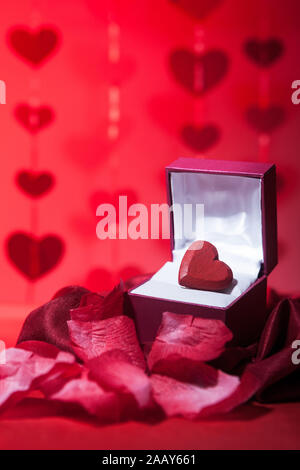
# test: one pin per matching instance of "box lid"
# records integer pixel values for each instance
(239, 202)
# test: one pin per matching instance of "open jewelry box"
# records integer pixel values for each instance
(239, 201)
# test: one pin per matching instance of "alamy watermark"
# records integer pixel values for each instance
(2, 352)
(296, 94)
(136, 222)
(2, 92)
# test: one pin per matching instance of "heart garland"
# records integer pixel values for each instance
(264, 52)
(34, 257)
(200, 138)
(265, 120)
(34, 47)
(35, 184)
(197, 9)
(184, 65)
(33, 118)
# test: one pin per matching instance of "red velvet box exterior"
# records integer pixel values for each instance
(247, 314)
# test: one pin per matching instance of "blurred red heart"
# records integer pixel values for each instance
(263, 52)
(265, 120)
(198, 73)
(197, 9)
(33, 118)
(34, 257)
(100, 279)
(201, 269)
(33, 46)
(200, 138)
(35, 184)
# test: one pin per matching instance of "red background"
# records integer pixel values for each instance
(75, 80)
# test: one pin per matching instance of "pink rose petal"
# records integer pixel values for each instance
(114, 371)
(91, 339)
(189, 400)
(95, 307)
(25, 371)
(187, 337)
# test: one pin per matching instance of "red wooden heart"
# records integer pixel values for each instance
(200, 138)
(34, 257)
(35, 184)
(264, 52)
(265, 120)
(195, 8)
(33, 46)
(33, 118)
(201, 269)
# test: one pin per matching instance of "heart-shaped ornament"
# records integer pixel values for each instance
(195, 8)
(198, 72)
(33, 46)
(200, 138)
(34, 184)
(201, 269)
(264, 52)
(34, 257)
(265, 120)
(33, 118)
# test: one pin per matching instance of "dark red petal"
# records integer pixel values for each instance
(25, 371)
(189, 400)
(40, 347)
(92, 298)
(94, 307)
(114, 371)
(48, 323)
(91, 339)
(188, 337)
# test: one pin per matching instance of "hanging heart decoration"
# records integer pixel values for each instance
(33, 183)
(200, 138)
(197, 9)
(264, 52)
(34, 257)
(34, 118)
(34, 46)
(198, 73)
(265, 120)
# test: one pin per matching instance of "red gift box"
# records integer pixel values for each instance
(240, 219)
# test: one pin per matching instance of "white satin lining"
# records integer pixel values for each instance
(232, 222)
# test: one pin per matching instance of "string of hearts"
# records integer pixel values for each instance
(32, 256)
(214, 64)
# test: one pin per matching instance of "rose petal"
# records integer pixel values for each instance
(48, 323)
(89, 395)
(94, 307)
(114, 371)
(92, 298)
(189, 400)
(185, 336)
(91, 339)
(25, 371)
(40, 347)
